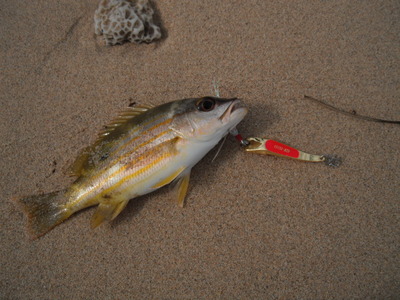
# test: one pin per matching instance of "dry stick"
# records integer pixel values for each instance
(349, 113)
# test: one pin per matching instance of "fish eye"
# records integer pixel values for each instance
(206, 104)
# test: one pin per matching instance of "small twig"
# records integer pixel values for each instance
(352, 114)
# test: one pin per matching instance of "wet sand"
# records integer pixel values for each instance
(254, 227)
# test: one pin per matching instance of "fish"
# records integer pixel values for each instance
(145, 148)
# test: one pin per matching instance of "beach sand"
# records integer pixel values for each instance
(254, 227)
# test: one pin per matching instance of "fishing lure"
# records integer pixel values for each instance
(271, 147)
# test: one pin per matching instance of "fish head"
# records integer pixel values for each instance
(207, 118)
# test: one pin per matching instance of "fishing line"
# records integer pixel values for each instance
(219, 148)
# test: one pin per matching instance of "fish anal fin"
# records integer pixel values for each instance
(182, 187)
(168, 179)
(107, 211)
(102, 213)
(120, 207)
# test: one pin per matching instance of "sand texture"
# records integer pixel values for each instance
(254, 227)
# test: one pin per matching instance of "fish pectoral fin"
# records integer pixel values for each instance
(182, 187)
(107, 212)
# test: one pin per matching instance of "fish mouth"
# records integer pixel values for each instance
(235, 106)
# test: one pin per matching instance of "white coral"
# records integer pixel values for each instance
(126, 20)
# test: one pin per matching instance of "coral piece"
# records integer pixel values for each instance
(126, 20)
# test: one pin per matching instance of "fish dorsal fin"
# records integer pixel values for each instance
(85, 160)
(124, 117)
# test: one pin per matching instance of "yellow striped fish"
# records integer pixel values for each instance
(144, 149)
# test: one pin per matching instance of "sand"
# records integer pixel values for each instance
(254, 227)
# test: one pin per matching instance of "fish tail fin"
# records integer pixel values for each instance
(44, 212)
